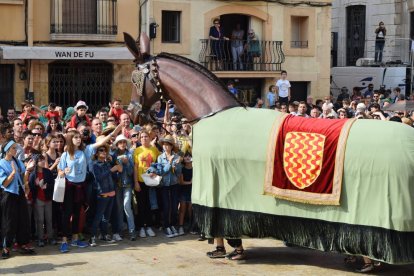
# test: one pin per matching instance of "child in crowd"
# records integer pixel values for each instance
(80, 115)
(125, 184)
(54, 111)
(116, 110)
(41, 183)
(186, 178)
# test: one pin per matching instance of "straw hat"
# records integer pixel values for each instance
(108, 130)
(106, 146)
(167, 139)
(120, 138)
(170, 140)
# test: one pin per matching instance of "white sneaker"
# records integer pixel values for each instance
(174, 231)
(142, 233)
(181, 231)
(168, 233)
(150, 232)
(116, 237)
(108, 239)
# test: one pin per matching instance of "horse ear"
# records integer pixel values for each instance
(144, 45)
(132, 47)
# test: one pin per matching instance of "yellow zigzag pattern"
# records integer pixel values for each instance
(301, 149)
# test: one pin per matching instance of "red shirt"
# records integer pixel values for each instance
(52, 114)
(117, 114)
(40, 192)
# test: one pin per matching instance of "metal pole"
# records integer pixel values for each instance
(412, 66)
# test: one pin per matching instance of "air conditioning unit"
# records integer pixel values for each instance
(365, 62)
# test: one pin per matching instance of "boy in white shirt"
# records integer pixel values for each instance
(283, 88)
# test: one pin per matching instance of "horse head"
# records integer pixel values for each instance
(144, 78)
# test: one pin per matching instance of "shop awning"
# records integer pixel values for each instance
(65, 53)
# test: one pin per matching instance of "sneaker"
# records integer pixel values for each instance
(116, 237)
(79, 243)
(109, 239)
(168, 233)
(236, 255)
(174, 231)
(64, 247)
(150, 232)
(181, 231)
(133, 236)
(142, 233)
(368, 267)
(40, 243)
(92, 241)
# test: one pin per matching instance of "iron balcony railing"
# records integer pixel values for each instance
(84, 17)
(256, 55)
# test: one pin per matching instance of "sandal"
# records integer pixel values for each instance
(25, 249)
(5, 254)
(367, 267)
(350, 259)
(220, 252)
(236, 255)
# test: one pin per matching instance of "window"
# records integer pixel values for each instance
(171, 26)
(299, 36)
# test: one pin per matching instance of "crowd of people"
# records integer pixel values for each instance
(367, 103)
(105, 162)
(102, 159)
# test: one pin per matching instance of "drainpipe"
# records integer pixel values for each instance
(30, 42)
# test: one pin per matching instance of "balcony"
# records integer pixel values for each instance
(258, 55)
(84, 20)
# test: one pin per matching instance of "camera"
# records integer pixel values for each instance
(85, 132)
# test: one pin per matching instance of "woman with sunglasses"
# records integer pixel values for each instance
(104, 171)
(15, 214)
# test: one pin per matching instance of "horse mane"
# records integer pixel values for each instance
(200, 68)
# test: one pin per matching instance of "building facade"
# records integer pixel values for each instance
(354, 24)
(295, 38)
(63, 51)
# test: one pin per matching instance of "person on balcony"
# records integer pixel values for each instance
(380, 33)
(253, 50)
(237, 47)
(217, 38)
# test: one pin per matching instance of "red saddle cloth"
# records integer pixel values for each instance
(308, 160)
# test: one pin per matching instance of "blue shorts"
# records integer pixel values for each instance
(185, 193)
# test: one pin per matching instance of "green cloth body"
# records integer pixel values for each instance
(229, 158)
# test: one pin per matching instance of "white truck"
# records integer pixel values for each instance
(356, 76)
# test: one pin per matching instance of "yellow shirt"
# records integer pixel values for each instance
(143, 158)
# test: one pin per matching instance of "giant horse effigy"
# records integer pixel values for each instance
(332, 185)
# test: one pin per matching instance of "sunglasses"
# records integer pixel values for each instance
(250, 33)
(37, 134)
(134, 135)
(110, 121)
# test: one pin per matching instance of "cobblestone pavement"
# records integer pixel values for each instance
(184, 256)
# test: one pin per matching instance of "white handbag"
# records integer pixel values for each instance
(151, 181)
(59, 189)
